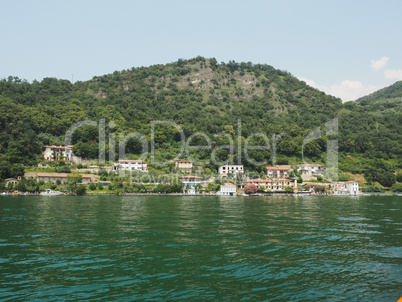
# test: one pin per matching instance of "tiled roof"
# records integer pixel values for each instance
(277, 168)
(59, 147)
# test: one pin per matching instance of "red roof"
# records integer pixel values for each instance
(59, 147)
(310, 165)
(269, 180)
(277, 168)
(190, 176)
(229, 184)
(61, 175)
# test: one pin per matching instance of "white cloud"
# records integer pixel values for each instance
(379, 64)
(347, 90)
(393, 74)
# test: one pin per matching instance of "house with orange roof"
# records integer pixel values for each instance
(185, 166)
(278, 171)
(310, 171)
(56, 153)
(63, 177)
(273, 184)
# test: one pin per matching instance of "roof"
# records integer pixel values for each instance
(183, 161)
(281, 179)
(277, 168)
(231, 165)
(310, 165)
(269, 180)
(322, 184)
(60, 147)
(190, 176)
(227, 184)
(62, 175)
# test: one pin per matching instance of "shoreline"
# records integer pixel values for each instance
(104, 193)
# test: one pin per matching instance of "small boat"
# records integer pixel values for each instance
(49, 192)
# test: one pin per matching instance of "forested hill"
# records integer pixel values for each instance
(199, 95)
(390, 92)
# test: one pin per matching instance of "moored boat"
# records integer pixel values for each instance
(49, 192)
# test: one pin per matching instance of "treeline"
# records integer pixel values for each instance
(197, 95)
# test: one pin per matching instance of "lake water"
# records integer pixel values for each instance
(169, 248)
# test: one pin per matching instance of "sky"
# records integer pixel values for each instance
(347, 49)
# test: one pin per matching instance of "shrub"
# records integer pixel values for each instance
(81, 190)
(289, 190)
(250, 188)
(319, 189)
(397, 188)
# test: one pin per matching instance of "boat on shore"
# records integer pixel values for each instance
(49, 192)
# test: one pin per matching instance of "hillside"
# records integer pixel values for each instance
(390, 92)
(199, 95)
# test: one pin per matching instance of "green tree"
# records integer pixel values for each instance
(81, 190)
(20, 186)
(289, 190)
(72, 182)
(387, 178)
(319, 189)
(17, 170)
(396, 188)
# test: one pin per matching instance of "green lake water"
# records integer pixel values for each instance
(176, 248)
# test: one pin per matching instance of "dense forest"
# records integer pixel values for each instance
(202, 96)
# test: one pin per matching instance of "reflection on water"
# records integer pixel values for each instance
(200, 248)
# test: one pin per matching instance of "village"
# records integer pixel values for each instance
(131, 177)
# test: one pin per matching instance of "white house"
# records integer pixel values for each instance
(190, 183)
(227, 189)
(130, 165)
(55, 153)
(13, 181)
(225, 170)
(310, 171)
(346, 188)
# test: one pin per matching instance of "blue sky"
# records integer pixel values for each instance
(345, 48)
